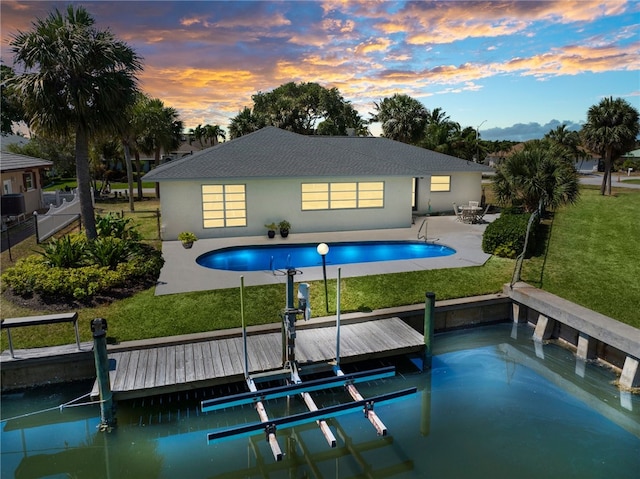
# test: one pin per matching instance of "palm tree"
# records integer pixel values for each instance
(212, 133)
(611, 130)
(441, 133)
(245, 122)
(569, 140)
(403, 118)
(77, 80)
(197, 134)
(160, 128)
(537, 175)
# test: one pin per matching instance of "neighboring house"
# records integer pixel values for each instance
(317, 183)
(21, 178)
(188, 146)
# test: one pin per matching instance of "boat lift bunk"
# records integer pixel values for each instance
(296, 386)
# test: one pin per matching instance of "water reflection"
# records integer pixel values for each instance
(490, 407)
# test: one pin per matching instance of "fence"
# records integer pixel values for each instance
(14, 234)
(147, 222)
(61, 214)
(56, 198)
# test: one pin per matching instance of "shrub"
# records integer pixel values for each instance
(108, 251)
(505, 236)
(115, 226)
(66, 252)
(110, 264)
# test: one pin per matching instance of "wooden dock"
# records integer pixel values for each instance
(171, 368)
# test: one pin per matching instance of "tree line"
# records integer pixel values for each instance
(79, 87)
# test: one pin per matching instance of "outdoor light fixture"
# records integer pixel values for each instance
(323, 249)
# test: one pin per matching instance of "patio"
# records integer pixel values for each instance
(181, 273)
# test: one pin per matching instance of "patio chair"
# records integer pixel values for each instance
(480, 216)
(474, 204)
(457, 212)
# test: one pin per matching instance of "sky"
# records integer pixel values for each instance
(513, 70)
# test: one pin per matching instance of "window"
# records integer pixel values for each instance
(224, 206)
(27, 181)
(440, 183)
(333, 196)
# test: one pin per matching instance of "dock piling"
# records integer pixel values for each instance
(429, 312)
(107, 411)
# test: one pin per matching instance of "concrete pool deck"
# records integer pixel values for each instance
(181, 273)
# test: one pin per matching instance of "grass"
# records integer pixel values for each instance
(590, 260)
(592, 257)
(72, 183)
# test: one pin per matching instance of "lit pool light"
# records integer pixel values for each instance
(270, 257)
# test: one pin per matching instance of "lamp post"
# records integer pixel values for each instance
(322, 250)
(478, 141)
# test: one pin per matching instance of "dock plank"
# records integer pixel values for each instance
(180, 366)
(152, 361)
(207, 360)
(237, 355)
(122, 362)
(198, 361)
(190, 363)
(225, 357)
(161, 367)
(216, 358)
(141, 369)
(170, 377)
(130, 373)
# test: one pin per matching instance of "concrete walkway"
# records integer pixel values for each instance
(181, 273)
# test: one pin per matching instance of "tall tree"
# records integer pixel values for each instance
(611, 130)
(160, 130)
(11, 108)
(305, 108)
(441, 133)
(569, 139)
(403, 118)
(77, 79)
(540, 171)
(196, 134)
(246, 121)
(212, 133)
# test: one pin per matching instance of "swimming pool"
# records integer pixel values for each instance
(304, 255)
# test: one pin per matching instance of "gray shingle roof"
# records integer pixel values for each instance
(14, 161)
(275, 153)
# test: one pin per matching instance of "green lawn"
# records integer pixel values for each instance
(592, 256)
(591, 260)
(72, 183)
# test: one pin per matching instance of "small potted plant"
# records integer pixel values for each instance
(284, 227)
(187, 238)
(271, 229)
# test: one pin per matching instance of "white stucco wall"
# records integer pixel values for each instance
(464, 187)
(273, 200)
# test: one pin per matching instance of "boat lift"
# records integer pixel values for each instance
(296, 386)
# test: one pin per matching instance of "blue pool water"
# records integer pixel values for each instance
(270, 257)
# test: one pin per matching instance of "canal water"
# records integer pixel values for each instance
(494, 405)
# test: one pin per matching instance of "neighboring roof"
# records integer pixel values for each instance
(632, 154)
(10, 139)
(275, 153)
(14, 161)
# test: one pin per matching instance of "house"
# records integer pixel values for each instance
(21, 178)
(317, 183)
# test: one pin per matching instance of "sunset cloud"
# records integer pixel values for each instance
(476, 60)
